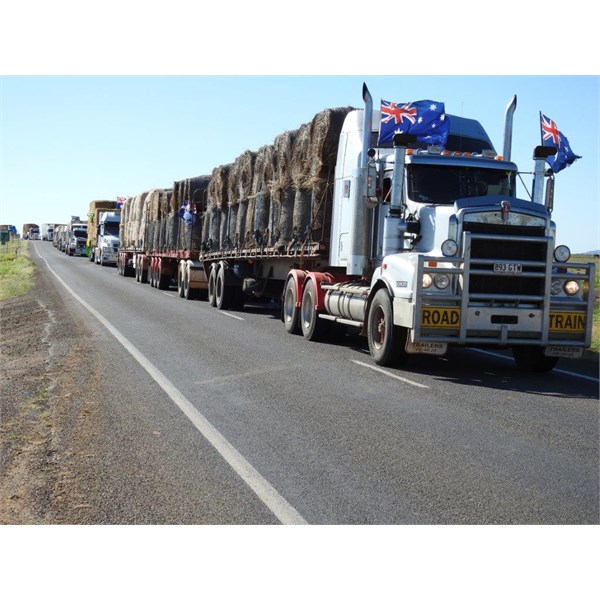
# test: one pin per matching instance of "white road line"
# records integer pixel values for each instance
(379, 370)
(579, 375)
(232, 316)
(171, 294)
(268, 495)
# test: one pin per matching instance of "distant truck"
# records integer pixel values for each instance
(31, 231)
(47, 232)
(77, 238)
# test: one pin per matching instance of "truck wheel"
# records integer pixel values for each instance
(212, 286)
(291, 313)
(386, 341)
(91, 257)
(162, 279)
(532, 358)
(143, 273)
(188, 292)
(180, 276)
(313, 328)
(222, 292)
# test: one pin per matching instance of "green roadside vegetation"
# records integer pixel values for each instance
(16, 270)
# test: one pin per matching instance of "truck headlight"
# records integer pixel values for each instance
(449, 248)
(427, 280)
(556, 287)
(571, 287)
(441, 281)
(562, 253)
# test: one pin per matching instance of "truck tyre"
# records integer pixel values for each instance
(162, 279)
(223, 293)
(291, 313)
(91, 257)
(532, 358)
(180, 276)
(386, 341)
(313, 328)
(212, 285)
(189, 293)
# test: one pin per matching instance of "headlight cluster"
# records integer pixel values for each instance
(569, 287)
(441, 281)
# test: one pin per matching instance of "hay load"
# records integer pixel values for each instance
(278, 197)
(239, 188)
(193, 193)
(96, 207)
(259, 203)
(217, 207)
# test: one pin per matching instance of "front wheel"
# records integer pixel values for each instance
(386, 341)
(532, 358)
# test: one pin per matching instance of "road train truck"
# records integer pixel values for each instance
(419, 247)
(103, 223)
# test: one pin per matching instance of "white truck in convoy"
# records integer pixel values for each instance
(106, 249)
(76, 237)
(418, 247)
(47, 232)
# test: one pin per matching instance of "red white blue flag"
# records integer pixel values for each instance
(425, 119)
(552, 137)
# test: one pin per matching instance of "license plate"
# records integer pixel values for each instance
(572, 322)
(434, 316)
(563, 351)
(435, 348)
(508, 268)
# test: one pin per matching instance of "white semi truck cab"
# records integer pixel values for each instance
(431, 248)
(107, 240)
(77, 237)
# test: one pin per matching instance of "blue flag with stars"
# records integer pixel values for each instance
(425, 119)
(552, 137)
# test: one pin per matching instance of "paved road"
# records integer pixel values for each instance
(303, 432)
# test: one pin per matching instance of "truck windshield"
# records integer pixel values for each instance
(443, 184)
(80, 233)
(111, 228)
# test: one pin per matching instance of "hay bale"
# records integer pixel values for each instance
(325, 130)
(239, 183)
(217, 188)
(257, 219)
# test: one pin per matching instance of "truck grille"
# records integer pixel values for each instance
(493, 244)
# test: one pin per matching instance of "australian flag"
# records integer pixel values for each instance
(185, 212)
(426, 119)
(551, 136)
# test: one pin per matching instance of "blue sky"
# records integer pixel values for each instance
(67, 140)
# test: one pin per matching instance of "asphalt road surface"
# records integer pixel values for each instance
(214, 416)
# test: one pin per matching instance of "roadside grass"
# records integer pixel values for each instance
(16, 270)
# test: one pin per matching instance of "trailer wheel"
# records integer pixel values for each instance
(223, 293)
(180, 276)
(212, 285)
(313, 328)
(386, 341)
(291, 313)
(162, 279)
(532, 358)
(189, 293)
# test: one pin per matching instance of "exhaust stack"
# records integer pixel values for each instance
(508, 127)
